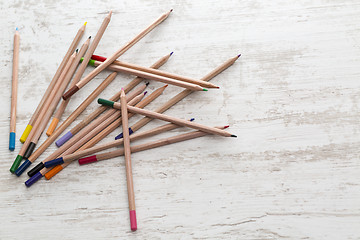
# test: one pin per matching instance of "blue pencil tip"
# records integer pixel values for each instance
(17, 29)
(171, 53)
(192, 119)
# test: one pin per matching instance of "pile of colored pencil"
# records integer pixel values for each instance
(79, 143)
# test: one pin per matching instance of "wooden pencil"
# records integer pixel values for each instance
(44, 116)
(145, 146)
(154, 77)
(92, 48)
(116, 143)
(15, 70)
(92, 140)
(113, 57)
(70, 119)
(153, 71)
(64, 103)
(71, 49)
(80, 140)
(127, 154)
(181, 122)
(87, 133)
(101, 109)
(142, 122)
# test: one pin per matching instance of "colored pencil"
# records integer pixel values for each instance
(91, 139)
(181, 122)
(71, 49)
(142, 122)
(41, 117)
(127, 154)
(116, 143)
(87, 133)
(101, 109)
(153, 71)
(145, 146)
(63, 103)
(14, 89)
(113, 57)
(152, 76)
(69, 120)
(86, 139)
(44, 116)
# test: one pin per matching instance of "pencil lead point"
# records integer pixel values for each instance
(233, 136)
(17, 29)
(147, 83)
(171, 53)
(239, 55)
(77, 50)
(226, 126)
(166, 86)
(192, 119)
(171, 10)
(204, 89)
(145, 93)
(85, 23)
(122, 89)
(89, 37)
(217, 87)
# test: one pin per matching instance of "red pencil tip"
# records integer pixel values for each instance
(218, 87)
(226, 126)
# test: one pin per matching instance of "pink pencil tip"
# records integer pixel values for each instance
(122, 89)
(226, 126)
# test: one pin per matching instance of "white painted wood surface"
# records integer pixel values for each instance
(292, 98)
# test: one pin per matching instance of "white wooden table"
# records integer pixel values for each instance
(292, 99)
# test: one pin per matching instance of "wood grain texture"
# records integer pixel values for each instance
(292, 99)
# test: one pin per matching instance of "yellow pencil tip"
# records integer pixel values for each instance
(85, 23)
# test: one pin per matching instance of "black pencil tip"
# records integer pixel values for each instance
(77, 50)
(234, 135)
(147, 83)
(89, 37)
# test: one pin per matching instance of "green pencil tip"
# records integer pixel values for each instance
(204, 89)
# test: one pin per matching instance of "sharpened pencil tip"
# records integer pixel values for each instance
(204, 89)
(171, 53)
(77, 50)
(217, 87)
(171, 10)
(122, 89)
(145, 93)
(17, 29)
(239, 55)
(166, 86)
(147, 83)
(226, 126)
(192, 119)
(234, 135)
(85, 23)
(89, 37)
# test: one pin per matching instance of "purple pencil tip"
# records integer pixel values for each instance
(145, 93)
(239, 55)
(171, 53)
